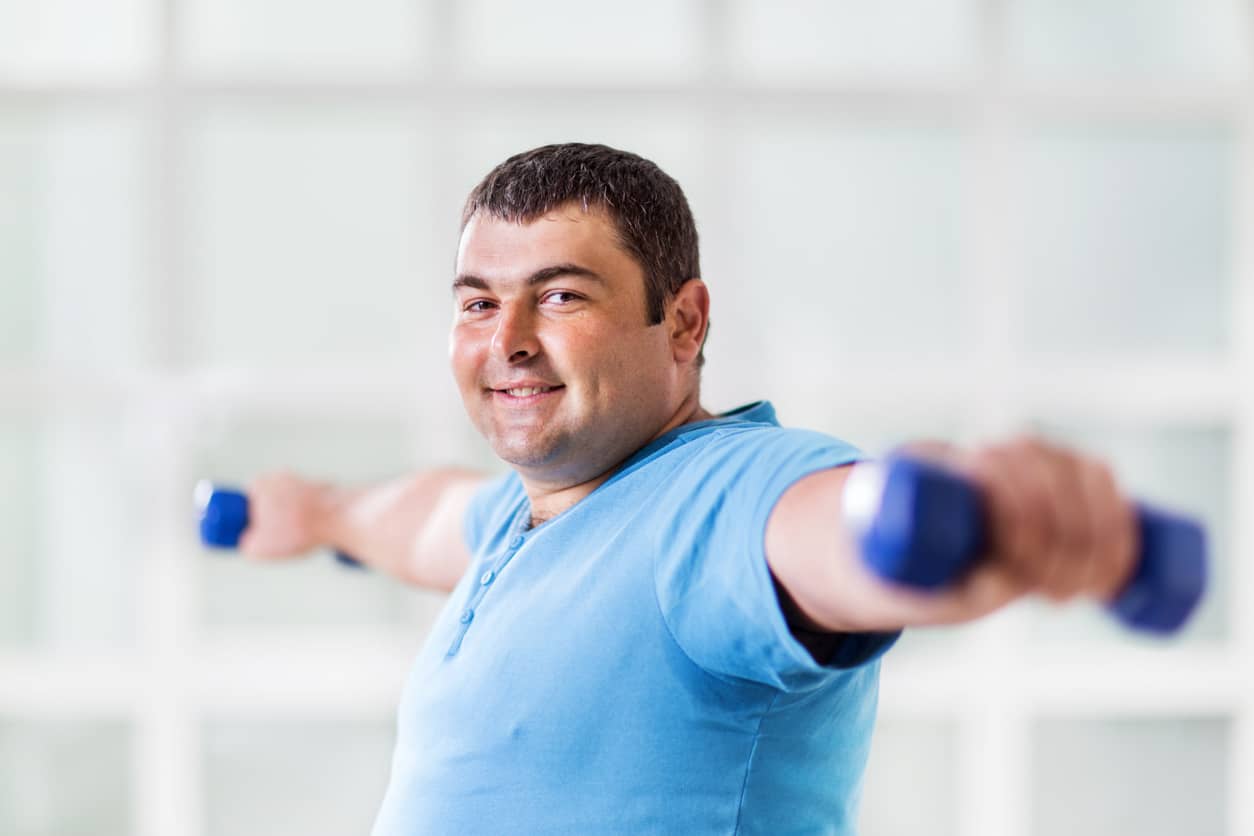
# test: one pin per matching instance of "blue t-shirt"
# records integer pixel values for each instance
(625, 667)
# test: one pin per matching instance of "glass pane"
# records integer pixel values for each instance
(876, 428)
(284, 775)
(319, 590)
(308, 240)
(65, 777)
(849, 236)
(572, 42)
(916, 759)
(1152, 777)
(20, 486)
(1184, 469)
(75, 516)
(1184, 39)
(295, 36)
(1127, 245)
(79, 40)
(72, 237)
(94, 527)
(20, 304)
(811, 40)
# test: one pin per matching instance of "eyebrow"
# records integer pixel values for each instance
(538, 277)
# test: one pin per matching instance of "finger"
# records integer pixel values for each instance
(1114, 532)
(1033, 471)
(255, 543)
(988, 587)
(1072, 554)
(1012, 534)
(1039, 555)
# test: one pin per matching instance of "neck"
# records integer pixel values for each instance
(547, 504)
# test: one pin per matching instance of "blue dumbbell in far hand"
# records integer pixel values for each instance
(224, 516)
(921, 525)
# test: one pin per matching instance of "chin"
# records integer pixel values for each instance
(524, 455)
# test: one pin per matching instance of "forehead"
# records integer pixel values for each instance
(505, 249)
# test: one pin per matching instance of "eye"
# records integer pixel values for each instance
(573, 296)
(470, 307)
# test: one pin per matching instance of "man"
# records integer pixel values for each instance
(657, 622)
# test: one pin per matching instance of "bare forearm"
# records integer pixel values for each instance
(837, 593)
(820, 568)
(403, 526)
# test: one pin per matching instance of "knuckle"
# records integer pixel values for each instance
(1100, 471)
(1098, 475)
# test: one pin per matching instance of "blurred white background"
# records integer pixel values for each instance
(226, 238)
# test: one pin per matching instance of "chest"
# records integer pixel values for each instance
(563, 650)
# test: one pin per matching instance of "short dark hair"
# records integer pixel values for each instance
(645, 204)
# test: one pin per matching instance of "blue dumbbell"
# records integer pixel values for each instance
(921, 525)
(224, 516)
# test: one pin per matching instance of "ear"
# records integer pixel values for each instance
(687, 317)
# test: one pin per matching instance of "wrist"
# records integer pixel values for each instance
(325, 512)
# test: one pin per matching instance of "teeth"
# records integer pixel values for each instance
(530, 390)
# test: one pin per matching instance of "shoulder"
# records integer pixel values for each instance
(742, 467)
(767, 448)
(727, 480)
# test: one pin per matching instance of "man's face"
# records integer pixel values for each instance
(557, 303)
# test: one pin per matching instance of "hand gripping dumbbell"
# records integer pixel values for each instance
(224, 516)
(923, 526)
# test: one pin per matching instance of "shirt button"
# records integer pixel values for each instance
(467, 616)
(516, 542)
(487, 578)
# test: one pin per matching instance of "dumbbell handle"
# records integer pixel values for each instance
(224, 516)
(923, 526)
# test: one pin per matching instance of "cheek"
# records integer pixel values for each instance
(643, 354)
(465, 358)
(572, 347)
(625, 369)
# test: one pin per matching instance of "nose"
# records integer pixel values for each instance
(515, 338)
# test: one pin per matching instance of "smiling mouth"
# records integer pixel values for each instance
(526, 395)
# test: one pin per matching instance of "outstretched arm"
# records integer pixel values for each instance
(1058, 527)
(409, 527)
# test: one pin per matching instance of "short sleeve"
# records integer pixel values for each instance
(490, 509)
(713, 583)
